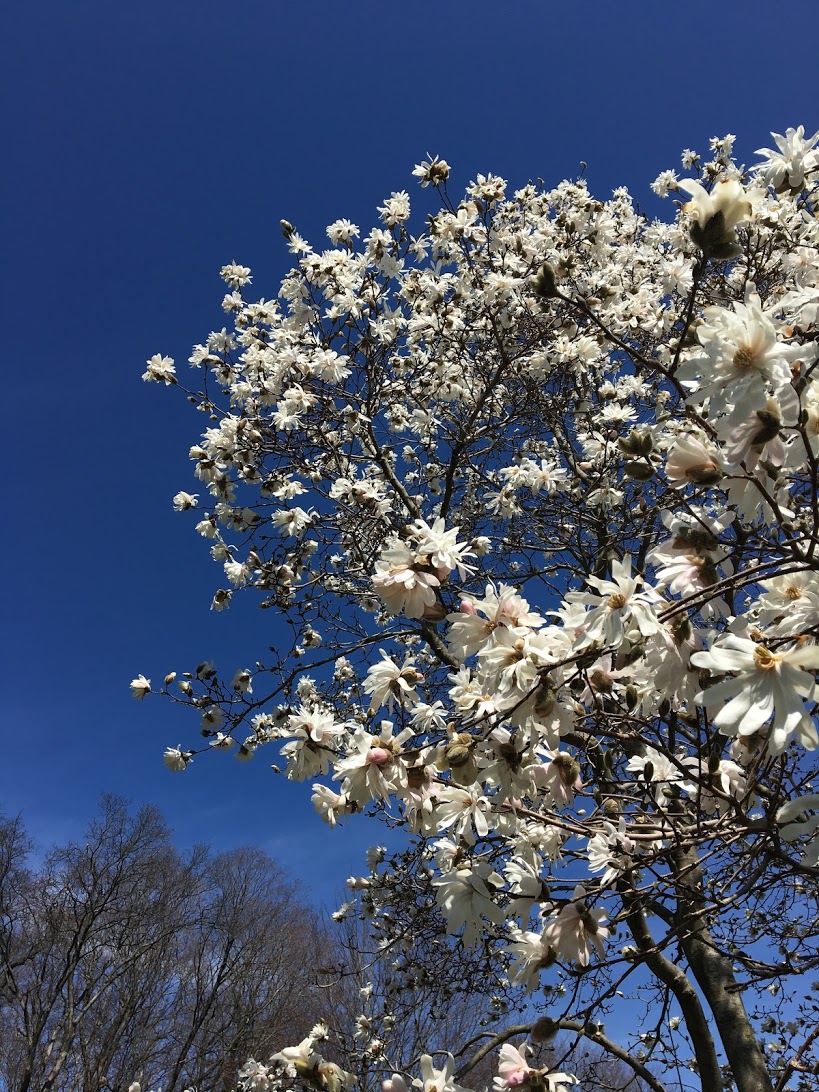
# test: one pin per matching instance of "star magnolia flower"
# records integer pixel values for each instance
(690, 461)
(437, 1080)
(766, 684)
(514, 1071)
(477, 619)
(618, 607)
(716, 215)
(463, 809)
(160, 370)
(758, 434)
(792, 816)
(742, 359)
(304, 1055)
(329, 805)
(791, 600)
(575, 928)
(176, 759)
(531, 953)
(140, 686)
(396, 1083)
(389, 682)
(373, 768)
(465, 897)
(795, 158)
(610, 851)
(400, 580)
(184, 501)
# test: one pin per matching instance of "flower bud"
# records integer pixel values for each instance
(568, 768)
(639, 470)
(636, 443)
(704, 475)
(378, 756)
(544, 282)
(544, 1029)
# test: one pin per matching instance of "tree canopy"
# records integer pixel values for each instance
(534, 486)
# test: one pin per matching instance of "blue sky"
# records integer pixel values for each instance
(149, 143)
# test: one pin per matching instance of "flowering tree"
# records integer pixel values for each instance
(536, 490)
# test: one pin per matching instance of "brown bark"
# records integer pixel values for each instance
(714, 974)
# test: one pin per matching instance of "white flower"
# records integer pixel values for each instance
(372, 768)
(329, 805)
(140, 686)
(792, 817)
(465, 897)
(465, 810)
(664, 183)
(237, 276)
(560, 777)
(441, 547)
(657, 769)
(766, 685)
(690, 461)
(176, 759)
(477, 619)
(242, 681)
(255, 1077)
(716, 214)
(389, 682)
(791, 600)
(437, 1080)
(396, 209)
(618, 606)
(514, 1071)
(610, 851)
(222, 742)
(433, 170)
(342, 231)
(403, 582)
(309, 753)
(575, 928)
(160, 370)
(796, 158)
(183, 501)
(758, 434)
(606, 496)
(530, 954)
(396, 1083)
(743, 360)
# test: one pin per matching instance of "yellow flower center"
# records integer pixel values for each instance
(744, 358)
(617, 601)
(793, 593)
(764, 659)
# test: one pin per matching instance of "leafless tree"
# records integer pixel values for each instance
(122, 959)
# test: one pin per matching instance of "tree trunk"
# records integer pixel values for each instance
(714, 973)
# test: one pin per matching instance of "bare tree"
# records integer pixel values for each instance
(122, 959)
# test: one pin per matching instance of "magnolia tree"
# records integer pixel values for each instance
(536, 489)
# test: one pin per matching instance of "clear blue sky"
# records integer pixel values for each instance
(147, 144)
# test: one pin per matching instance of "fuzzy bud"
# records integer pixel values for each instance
(544, 1029)
(544, 282)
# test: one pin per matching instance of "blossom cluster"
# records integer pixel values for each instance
(537, 492)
